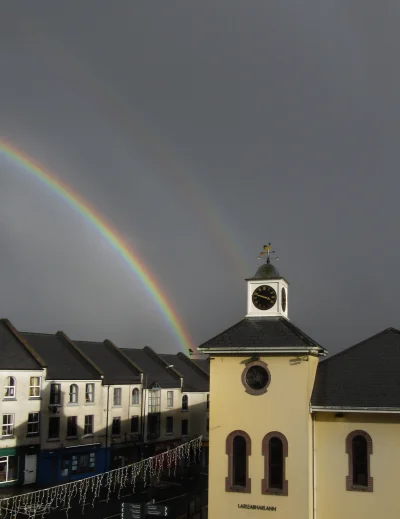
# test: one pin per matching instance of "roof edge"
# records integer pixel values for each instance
(125, 357)
(32, 352)
(191, 363)
(165, 363)
(346, 409)
(62, 335)
(312, 350)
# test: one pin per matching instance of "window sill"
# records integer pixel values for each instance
(55, 405)
(116, 436)
(72, 404)
(359, 488)
(169, 433)
(35, 398)
(7, 436)
(135, 405)
(9, 398)
(32, 435)
(90, 403)
(274, 492)
(71, 438)
(117, 405)
(89, 435)
(53, 439)
(240, 490)
(185, 410)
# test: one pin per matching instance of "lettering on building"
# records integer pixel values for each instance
(258, 507)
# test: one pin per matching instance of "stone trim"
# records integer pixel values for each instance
(349, 450)
(229, 486)
(265, 486)
(249, 390)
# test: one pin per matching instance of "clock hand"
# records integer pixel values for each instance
(264, 297)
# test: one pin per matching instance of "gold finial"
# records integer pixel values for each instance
(267, 251)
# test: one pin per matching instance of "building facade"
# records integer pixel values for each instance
(291, 433)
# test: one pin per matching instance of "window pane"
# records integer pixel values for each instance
(170, 424)
(134, 424)
(54, 427)
(185, 427)
(12, 468)
(275, 463)
(239, 461)
(360, 461)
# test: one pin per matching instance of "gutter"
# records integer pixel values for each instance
(314, 478)
(245, 350)
(339, 409)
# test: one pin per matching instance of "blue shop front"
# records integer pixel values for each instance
(71, 463)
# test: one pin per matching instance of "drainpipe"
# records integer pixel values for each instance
(108, 406)
(142, 408)
(314, 467)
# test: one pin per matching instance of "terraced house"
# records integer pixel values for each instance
(72, 409)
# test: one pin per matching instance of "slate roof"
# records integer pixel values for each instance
(364, 375)
(153, 367)
(62, 360)
(13, 353)
(204, 364)
(194, 379)
(262, 332)
(116, 368)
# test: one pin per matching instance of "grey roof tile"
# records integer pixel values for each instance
(62, 360)
(262, 332)
(13, 354)
(364, 375)
(116, 369)
(153, 368)
(204, 364)
(194, 379)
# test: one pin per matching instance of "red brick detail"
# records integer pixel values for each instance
(349, 450)
(229, 486)
(265, 486)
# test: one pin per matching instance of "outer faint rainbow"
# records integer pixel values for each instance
(79, 204)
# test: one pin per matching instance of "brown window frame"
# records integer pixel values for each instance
(229, 486)
(265, 485)
(349, 450)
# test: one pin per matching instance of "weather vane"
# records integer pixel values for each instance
(267, 251)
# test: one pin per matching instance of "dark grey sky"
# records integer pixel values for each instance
(201, 130)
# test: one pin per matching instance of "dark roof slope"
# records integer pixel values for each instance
(14, 353)
(204, 364)
(262, 332)
(153, 367)
(116, 368)
(365, 375)
(194, 379)
(63, 361)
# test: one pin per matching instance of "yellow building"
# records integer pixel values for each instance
(295, 437)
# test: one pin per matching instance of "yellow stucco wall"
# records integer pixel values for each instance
(284, 408)
(333, 500)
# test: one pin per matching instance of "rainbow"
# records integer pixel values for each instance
(81, 206)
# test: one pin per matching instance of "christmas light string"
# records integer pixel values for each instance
(42, 502)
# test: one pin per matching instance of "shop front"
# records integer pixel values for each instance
(124, 453)
(70, 463)
(18, 465)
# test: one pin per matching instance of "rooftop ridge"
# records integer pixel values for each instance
(63, 336)
(361, 343)
(32, 352)
(125, 357)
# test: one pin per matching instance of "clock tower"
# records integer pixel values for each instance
(267, 290)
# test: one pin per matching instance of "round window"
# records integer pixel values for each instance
(257, 377)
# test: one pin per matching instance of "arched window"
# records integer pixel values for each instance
(238, 449)
(185, 403)
(135, 396)
(359, 450)
(73, 394)
(9, 387)
(275, 451)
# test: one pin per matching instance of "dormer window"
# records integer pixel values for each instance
(10, 387)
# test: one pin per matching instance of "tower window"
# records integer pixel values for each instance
(359, 449)
(238, 449)
(275, 451)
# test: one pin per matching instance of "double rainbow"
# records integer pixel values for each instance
(81, 206)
